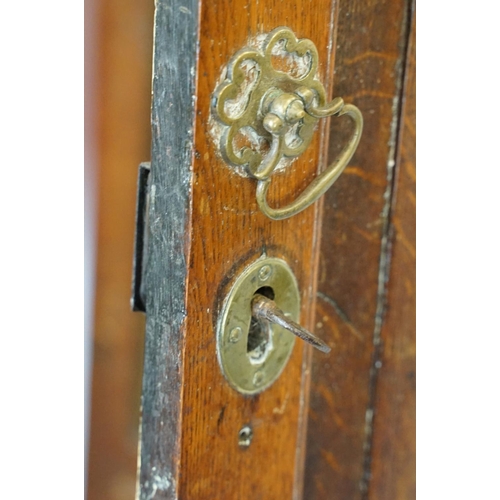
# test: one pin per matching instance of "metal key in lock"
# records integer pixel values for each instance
(258, 325)
(265, 309)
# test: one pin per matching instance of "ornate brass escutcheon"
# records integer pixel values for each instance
(276, 109)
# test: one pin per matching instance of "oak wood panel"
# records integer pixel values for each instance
(124, 30)
(393, 466)
(229, 232)
(370, 57)
(191, 416)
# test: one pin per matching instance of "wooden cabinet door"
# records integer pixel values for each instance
(205, 229)
(337, 425)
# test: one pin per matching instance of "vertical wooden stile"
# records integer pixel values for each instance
(204, 228)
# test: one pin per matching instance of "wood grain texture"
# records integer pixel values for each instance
(191, 416)
(393, 462)
(370, 55)
(124, 30)
(229, 233)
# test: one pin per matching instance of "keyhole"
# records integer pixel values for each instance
(259, 333)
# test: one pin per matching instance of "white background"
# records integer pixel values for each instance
(42, 249)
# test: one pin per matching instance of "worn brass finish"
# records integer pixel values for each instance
(281, 108)
(250, 365)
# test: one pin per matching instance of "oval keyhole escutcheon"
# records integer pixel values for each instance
(252, 353)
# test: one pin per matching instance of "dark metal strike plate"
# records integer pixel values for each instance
(137, 301)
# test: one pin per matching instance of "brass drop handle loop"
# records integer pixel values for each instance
(324, 181)
(260, 102)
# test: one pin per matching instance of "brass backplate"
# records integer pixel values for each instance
(253, 354)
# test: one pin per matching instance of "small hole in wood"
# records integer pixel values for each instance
(245, 436)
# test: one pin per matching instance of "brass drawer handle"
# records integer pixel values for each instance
(324, 181)
(259, 104)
